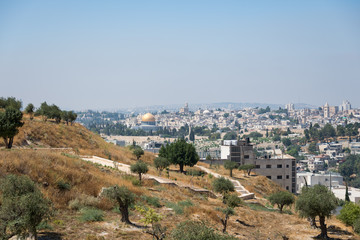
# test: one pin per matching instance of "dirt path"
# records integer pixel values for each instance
(126, 168)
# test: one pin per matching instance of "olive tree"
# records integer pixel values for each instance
(161, 163)
(22, 208)
(281, 199)
(10, 122)
(140, 168)
(124, 197)
(317, 201)
(138, 152)
(230, 165)
(231, 202)
(30, 110)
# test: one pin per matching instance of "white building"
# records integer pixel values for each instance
(311, 179)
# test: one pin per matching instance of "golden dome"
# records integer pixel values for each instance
(148, 118)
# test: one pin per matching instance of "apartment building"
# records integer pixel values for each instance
(281, 170)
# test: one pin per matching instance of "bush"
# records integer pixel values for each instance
(91, 215)
(192, 230)
(356, 225)
(154, 201)
(63, 186)
(195, 172)
(349, 213)
(83, 201)
(185, 203)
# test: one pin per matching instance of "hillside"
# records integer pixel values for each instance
(70, 182)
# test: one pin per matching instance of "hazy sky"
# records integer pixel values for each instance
(114, 54)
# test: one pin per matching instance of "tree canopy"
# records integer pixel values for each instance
(180, 153)
(281, 199)
(140, 168)
(230, 165)
(10, 122)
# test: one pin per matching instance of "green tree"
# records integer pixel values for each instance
(312, 148)
(223, 186)
(317, 201)
(10, 122)
(138, 152)
(30, 110)
(151, 217)
(229, 165)
(286, 142)
(192, 136)
(193, 230)
(347, 198)
(140, 168)
(281, 199)
(246, 168)
(230, 136)
(180, 153)
(226, 115)
(72, 117)
(22, 207)
(10, 102)
(349, 213)
(161, 163)
(124, 197)
(231, 202)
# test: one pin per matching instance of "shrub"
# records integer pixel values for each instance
(83, 201)
(91, 215)
(185, 203)
(349, 213)
(63, 186)
(356, 225)
(192, 230)
(22, 208)
(195, 172)
(154, 201)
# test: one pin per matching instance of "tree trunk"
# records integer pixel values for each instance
(225, 223)
(323, 228)
(140, 177)
(181, 168)
(230, 172)
(124, 214)
(11, 140)
(281, 208)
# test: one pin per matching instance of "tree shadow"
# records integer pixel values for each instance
(334, 230)
(50, 236)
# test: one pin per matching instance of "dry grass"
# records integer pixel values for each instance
(47, 168)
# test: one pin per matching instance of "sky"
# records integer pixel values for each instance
(117, 54)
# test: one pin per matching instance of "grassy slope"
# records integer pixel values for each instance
(48, 168)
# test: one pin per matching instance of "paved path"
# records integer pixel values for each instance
(126, 168)
(243, 193)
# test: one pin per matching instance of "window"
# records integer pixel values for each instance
(257, 166)
(279, 177)
(269, 177)
(287, 165)
(279, 166)
(287, 176)
(246, 156)
(268, 166)
(287, 187)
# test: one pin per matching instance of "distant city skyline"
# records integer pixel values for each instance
(125, 54)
